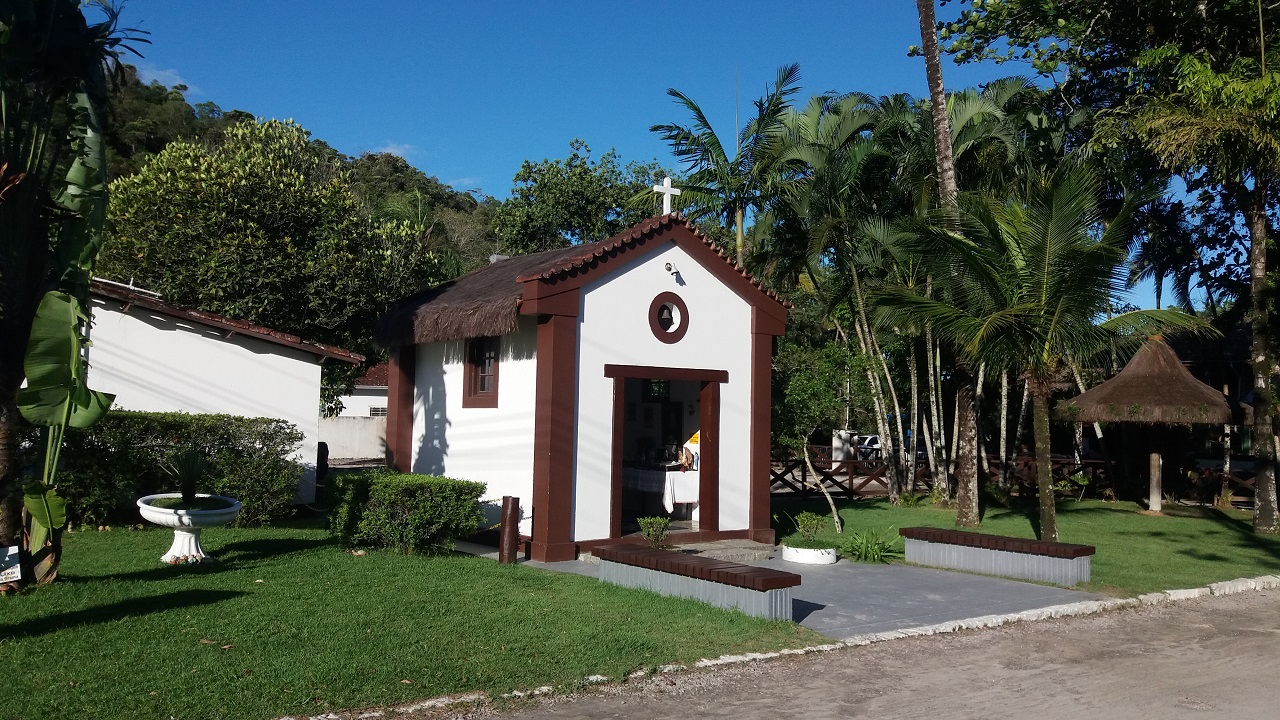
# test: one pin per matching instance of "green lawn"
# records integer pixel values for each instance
(1137, 553)
(287, 623)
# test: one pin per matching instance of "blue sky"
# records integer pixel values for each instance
(467, 91)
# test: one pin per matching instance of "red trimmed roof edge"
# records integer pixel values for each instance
(637, 232)
(223, 322)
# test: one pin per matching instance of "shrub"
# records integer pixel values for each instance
(872, 547)
(410, 513)
(910, 499)
(655, 530)
(809, 524)
(105, 468)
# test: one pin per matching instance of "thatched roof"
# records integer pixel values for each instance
(486, 302)
(1153, 388)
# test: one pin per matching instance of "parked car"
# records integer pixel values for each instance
(869, 447)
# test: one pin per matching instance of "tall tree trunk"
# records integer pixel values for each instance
(980, 447)
(1022, 416)
(12, 350)
(26, 259)
(911, 443)
(740, 237)
(938, 100)
(938, 444)
(867, 335)
(1266, 517)
(1004, 426)
(966, 457)
(1044, 471)
(955, 433)
(925, 426)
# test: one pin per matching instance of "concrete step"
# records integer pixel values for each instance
(731, 550)
(728, 550)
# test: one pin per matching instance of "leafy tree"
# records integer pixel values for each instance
(557, 203)
(145, 117)
(264, 227)
(471, 237)
(810, 395)
(727, 187)
(392, 189)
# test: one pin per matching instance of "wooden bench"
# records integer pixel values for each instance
(1055, 562)
(757, 591)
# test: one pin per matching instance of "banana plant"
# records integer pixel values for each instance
(57, 395)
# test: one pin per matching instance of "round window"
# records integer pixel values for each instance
(668, 317)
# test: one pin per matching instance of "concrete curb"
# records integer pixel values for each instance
(1076, 609)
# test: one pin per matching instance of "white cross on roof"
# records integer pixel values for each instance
(667, 191)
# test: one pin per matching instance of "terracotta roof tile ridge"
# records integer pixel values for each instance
(636, 233)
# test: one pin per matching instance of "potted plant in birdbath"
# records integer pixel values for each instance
(187, 512)
(808, 549)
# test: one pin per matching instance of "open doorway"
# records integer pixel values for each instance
(660, 452)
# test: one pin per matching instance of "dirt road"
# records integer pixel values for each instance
(1212, 657)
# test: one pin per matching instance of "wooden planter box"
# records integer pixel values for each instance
(757, 591)
(1058, 563)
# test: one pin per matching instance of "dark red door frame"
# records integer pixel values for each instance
(708, 437)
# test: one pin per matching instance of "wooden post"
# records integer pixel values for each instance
(509, 540)
(1156, 498)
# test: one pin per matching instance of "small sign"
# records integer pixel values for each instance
(10, 570)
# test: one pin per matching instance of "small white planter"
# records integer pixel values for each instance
(186, 524)
(809, 556)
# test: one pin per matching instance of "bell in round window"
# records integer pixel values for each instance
(668, 317)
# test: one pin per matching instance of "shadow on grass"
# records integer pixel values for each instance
(1244, 530)
(133, 607)
(1202, 555)
(232, 556)
(248, 551)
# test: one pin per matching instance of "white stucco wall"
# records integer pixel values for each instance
(156, 363)
(614, 329)
(354, 438)
(358, 403)
(489, 445)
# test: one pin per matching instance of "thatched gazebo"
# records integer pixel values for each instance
(1153, 389)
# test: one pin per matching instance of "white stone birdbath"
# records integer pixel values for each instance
(186, 524)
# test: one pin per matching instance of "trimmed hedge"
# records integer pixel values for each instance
(410, 513)
(107, 467)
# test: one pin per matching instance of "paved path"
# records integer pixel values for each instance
(848, 598)
(1209, 658)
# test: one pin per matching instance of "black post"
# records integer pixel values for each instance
(509, 540)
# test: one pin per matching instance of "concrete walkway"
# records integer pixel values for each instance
(848, 598)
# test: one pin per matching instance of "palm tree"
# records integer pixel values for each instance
(854, 166)
(938, 102)
(729, 187)
(1022, 283)
(1225, 126)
